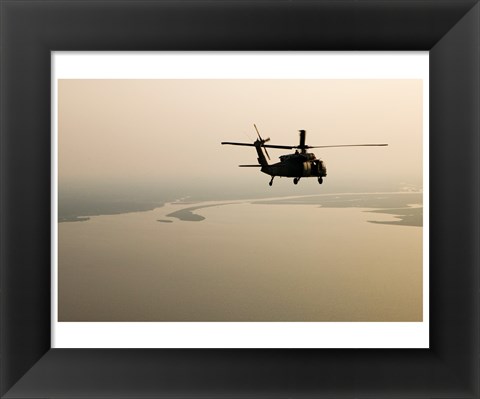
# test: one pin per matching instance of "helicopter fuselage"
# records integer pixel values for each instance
(296, 165)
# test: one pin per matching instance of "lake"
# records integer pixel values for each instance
(284, 260)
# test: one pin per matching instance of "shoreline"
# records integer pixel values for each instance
(336, 200)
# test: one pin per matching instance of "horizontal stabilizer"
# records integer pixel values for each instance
(250, 166)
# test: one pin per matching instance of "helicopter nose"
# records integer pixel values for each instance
(322, 168)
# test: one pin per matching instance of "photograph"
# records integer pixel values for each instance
(240, 200)
(243, 199)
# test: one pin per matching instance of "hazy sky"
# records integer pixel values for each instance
(169, 131)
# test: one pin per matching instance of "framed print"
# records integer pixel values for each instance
(202, 64)
(276, 277)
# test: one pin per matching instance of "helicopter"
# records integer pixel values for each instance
(297, 165)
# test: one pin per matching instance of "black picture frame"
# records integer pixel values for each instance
(30, 30)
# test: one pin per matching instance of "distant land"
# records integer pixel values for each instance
(78, 208)
(187, 214)
(398, 204)
(407, 207)
(99, 208)
(406, 216)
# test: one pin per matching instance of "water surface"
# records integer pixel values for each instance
(242, 261)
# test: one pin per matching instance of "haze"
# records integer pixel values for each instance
(144, 133)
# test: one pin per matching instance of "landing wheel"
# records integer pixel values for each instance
(271, 181)
(295, 180)
(320, 180)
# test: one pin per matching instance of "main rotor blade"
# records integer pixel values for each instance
(291, 147)
(283, 147)
(255, 126)
(347, 145)
(245, 144)
(253, 145)
(250, 166)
